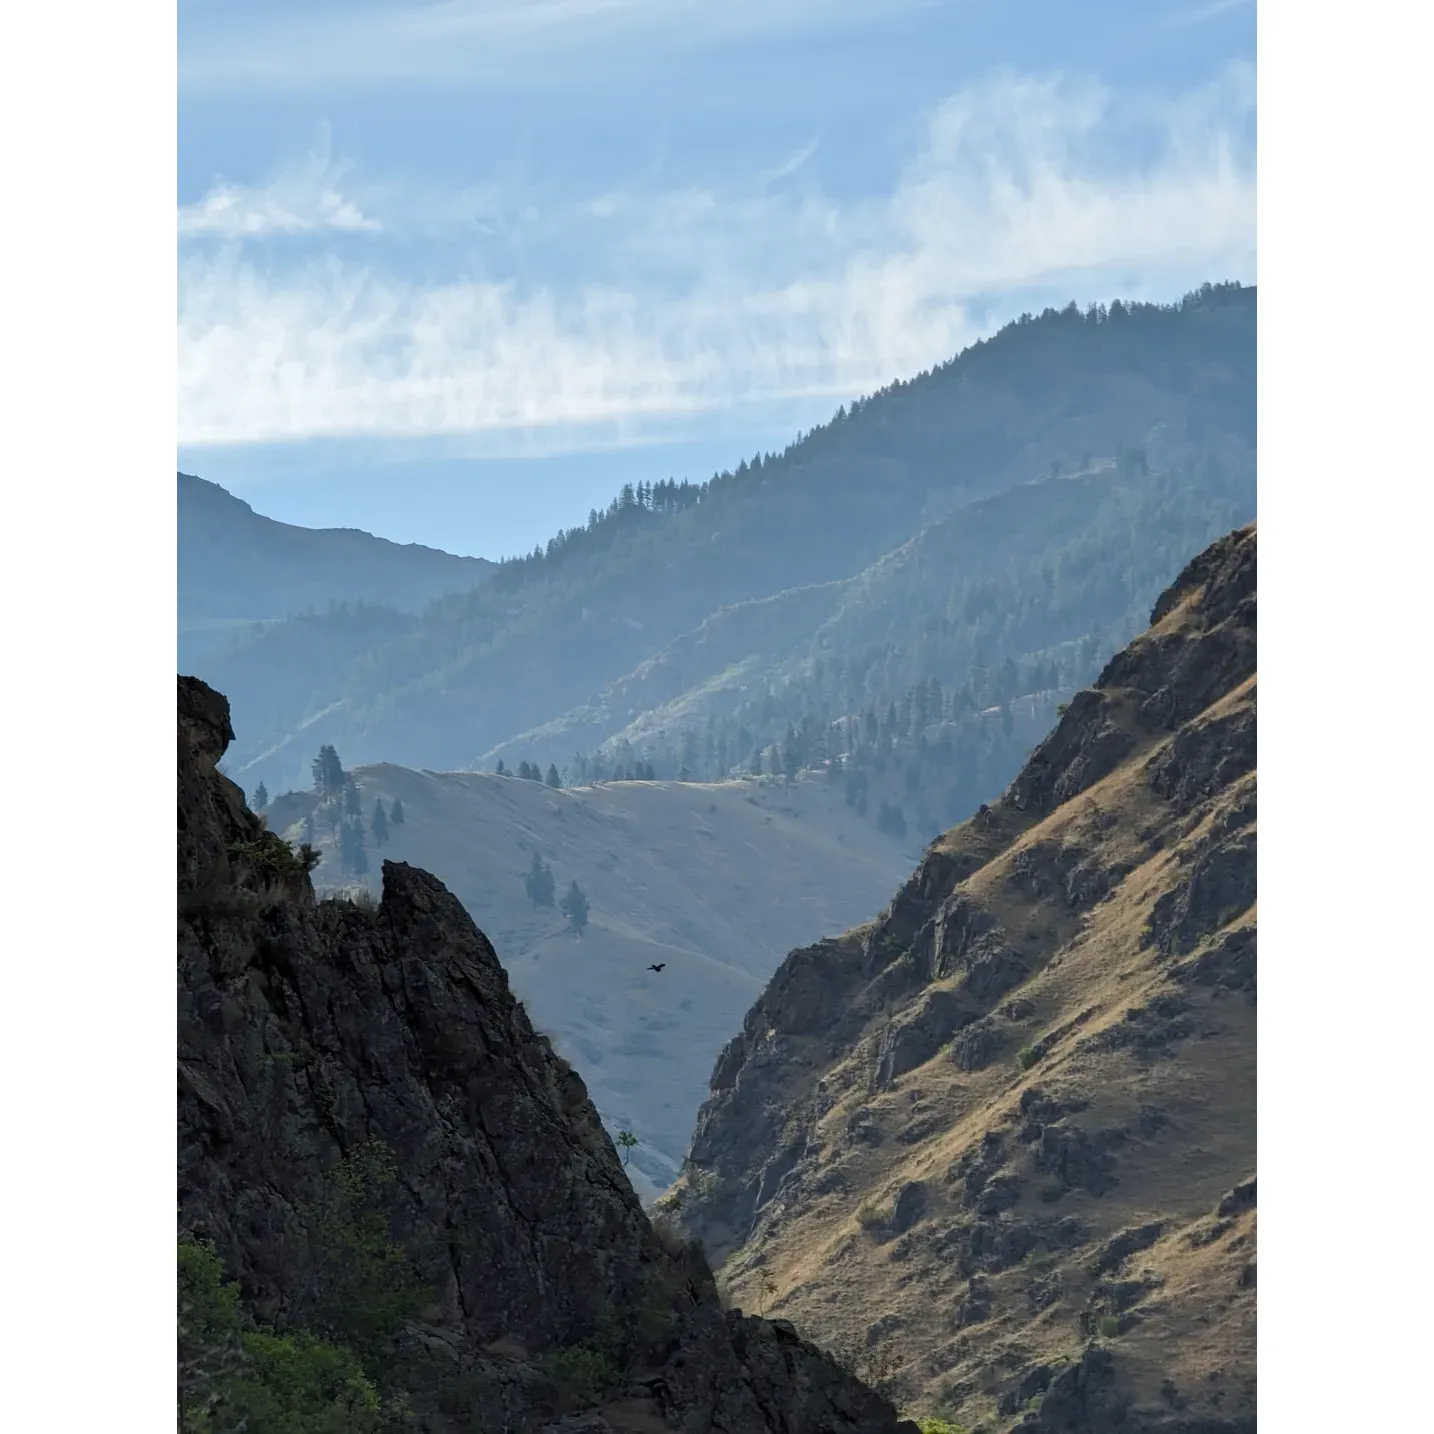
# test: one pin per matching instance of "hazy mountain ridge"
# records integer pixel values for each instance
(1014, 1116)
(546, 635)
(237, 567)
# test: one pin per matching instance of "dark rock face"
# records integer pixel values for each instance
(1085, 1397)
(1120, 1247)
(1079, 1159)
(1087, 745)
(1149, 1030)
(343, 1070)
(919, 1035)
(1219, 884)
(976, 1046)
(1240, 1199)
(1204, 760)
(1229, 963)
(1046, 869)
(909, 1206)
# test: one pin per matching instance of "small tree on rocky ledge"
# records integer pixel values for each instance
(575, 908)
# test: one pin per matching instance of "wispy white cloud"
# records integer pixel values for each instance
(705, 300)
(1199, 14)
(465, 41)
(790, 165)
(304, 197)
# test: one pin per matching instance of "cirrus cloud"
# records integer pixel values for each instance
(1025, 190)
(301, 198)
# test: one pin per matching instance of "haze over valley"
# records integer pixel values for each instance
(716, 718)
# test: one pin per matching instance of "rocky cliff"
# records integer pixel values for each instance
(1002, 1140)
(385, 1156)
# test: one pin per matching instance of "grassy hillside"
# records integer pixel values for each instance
(1015, 1115)
(1160, 399)
(715, 883)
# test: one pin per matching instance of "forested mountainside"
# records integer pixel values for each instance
(237, 567)
(397, 1206)
(1001, 1140)
(1019, 506)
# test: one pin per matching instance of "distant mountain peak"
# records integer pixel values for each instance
(238, 567)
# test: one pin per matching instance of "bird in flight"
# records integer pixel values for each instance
(658, 966)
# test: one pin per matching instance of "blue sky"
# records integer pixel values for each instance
(454, 272)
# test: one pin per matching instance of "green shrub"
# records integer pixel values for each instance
(1027, 1056)
(233, 1378)
(871, 1216)
(583, 1373)
(1109, 1326)
(272, 855)
(939, 1426)
(669, 1233)
(369, 1284)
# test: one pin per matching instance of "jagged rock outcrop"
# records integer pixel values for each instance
(382, 1149)
(1005, 1112)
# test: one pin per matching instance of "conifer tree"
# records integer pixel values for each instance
(575, 907)
(329, 774)
(891, 820)
(500, 769)
(261, 797)
(553, 779)
(352, 805)
(395, 813)
(352, 856)
(539, 883)
(378, 823)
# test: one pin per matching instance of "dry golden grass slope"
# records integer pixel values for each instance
(715, 882)
(999, 1145)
